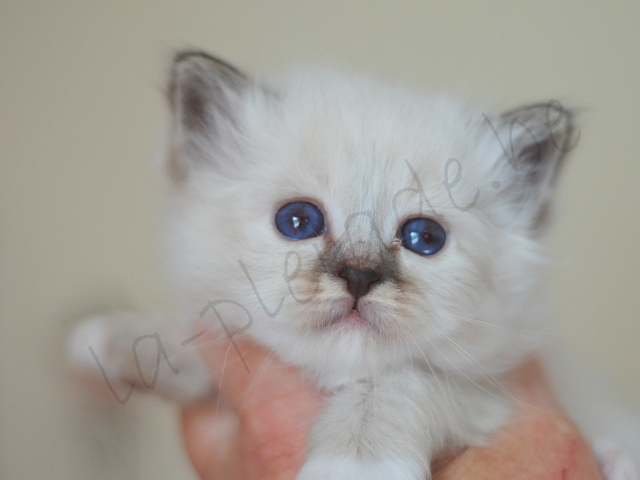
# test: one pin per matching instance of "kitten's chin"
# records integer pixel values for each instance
(338, 344)
(349, 346)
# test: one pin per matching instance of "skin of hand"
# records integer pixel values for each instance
(257, 429)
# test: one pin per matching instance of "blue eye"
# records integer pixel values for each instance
(300, 220)
(423, 236)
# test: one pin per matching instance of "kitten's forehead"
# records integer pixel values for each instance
(370, 152)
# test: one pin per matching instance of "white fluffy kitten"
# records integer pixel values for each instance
(384, 241)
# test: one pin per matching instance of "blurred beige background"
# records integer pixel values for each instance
(81, 118)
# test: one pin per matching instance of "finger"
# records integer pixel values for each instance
(275, 406)
(539, 441)
(534, 446)
(210, 433)
(249, 376)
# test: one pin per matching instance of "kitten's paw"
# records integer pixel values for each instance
(117, 352)
(90, 341)
(93, 360)
(106, 347)
(615, 462)
(328, 467)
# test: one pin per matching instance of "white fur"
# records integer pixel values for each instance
(343, 142)
(324, 467)
(615, 462)
(427, 374)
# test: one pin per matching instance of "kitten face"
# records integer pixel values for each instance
(369, 159)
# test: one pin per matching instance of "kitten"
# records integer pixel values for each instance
(384, 241)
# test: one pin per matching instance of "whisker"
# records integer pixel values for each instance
(436, 376)
(493, 394)
(263, 366)
(507, 329)
(475, 363)
(220, 380)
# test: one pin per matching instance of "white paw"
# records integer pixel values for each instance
(88, 341)
(328, 467)
(616, 464)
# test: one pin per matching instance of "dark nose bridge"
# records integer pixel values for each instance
(361, 264)
(359, 281)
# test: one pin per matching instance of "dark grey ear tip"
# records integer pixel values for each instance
(550, 121)
(548, 108)
(201, 57)
(184, 55)
(199, 75)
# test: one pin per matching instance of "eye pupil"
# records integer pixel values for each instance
(300, 220)
(423, 236)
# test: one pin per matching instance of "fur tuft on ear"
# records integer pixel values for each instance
(535, 140)
(205, 95)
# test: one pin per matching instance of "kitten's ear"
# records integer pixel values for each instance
(535, 140)
(205, 95)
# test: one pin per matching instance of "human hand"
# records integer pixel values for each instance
(258, 429)
(538, 443)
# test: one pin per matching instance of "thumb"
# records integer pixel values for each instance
(210, 432)
(276, 408)
(249, 376)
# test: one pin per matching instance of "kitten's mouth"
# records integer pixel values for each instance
(352, 319)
